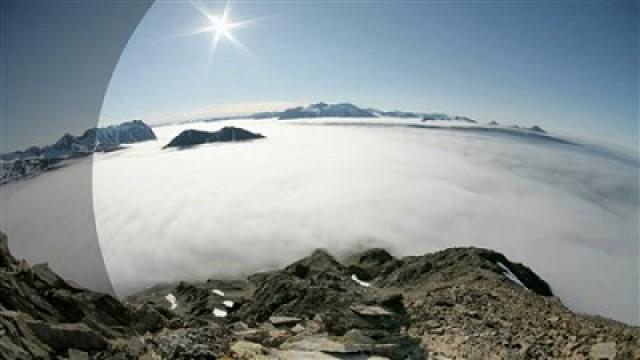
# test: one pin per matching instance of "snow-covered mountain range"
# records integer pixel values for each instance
(322, 109)
(325, 110)
(35, 159)
(348, 110)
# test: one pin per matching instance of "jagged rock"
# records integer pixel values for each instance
(126, 133)
(457, 303)
(604, 351)
(42, 314)
(320, 288)
(370, 311)
(457, 264)
(319, 262)
(298, 329)
(18, 341)
(523, 274)
(320, 343)
(307, 355)
(314, 325)
(135, 347)
(284, 320)
(244, 350)
(78, 355)
(148, 319)
(356, 337)
(61, 337)
(252, 335)
(393, 347)
(6, 259)
(468, 302)
(196, 301)
(316, 285)
(11, 349)
(191, 137)
(368, 264)
(207, 342)
(49, 279)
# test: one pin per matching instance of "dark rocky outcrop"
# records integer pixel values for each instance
(319, 286)
(456, 265)
(369, 264)
(43, 315)
(435, 116)
(537, 128)
(189, 138)
(395, 113)
(475, 303)
(445, 117)
(456, 303)
(466, 303)
(61, 337)
(464, 119)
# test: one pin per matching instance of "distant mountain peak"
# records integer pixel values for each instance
(537, 129)
(346, 109)
(41, 159)
(322, 109)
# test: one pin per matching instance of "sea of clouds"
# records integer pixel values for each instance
(570, 212)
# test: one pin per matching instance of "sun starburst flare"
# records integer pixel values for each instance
(220, 27)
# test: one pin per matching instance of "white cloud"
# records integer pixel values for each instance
(228, 209)
(219, 313)
(225, 210)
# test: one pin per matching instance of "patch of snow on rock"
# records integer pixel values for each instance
(228, 303)
(172, 300)
(511, 275)
(360, 282)
(219, 313)
(218, 292)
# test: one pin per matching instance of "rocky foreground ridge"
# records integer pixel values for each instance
(459, 303)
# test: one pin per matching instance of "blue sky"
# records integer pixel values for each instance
(570, 67)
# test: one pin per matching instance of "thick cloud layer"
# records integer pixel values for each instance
(224, 210)
(227, 209)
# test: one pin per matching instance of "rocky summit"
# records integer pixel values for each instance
(191, 137)
(459, 303)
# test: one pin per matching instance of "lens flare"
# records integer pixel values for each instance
(220, 27)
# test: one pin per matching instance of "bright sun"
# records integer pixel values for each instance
(220, 26)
